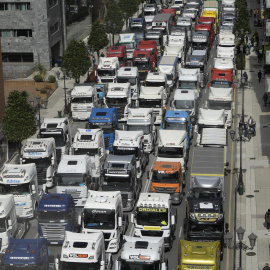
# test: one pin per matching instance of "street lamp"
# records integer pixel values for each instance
(125, 17)
(108, 30)
(45, 104)
(114, 28)
(241, 246)
(65, 89)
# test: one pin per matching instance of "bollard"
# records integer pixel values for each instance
(59, 114)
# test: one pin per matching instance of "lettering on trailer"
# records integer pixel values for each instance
(34, 154)
(52, 205)
(82, 256)
(13, 181)
(197, 267)
(206, 216)
(21, 258)
(150, 228)
(139, 257)
(99, 212)
(144, 209)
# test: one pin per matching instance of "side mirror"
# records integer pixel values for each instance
(132, 218)
(80, 220)
(173, 220)
(193, 120)
(120, 221)
(33, 187)
(9, 223)
(52, 160)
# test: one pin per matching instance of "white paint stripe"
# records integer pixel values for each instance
(180, 232)
(36, 236)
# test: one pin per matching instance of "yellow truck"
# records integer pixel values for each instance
(213, 14)
(199, 255)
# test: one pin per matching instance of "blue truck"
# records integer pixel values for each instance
(28, 254)
(101, 92)
(137, 26)
(107, 120)
(178, 120)
(56, 214)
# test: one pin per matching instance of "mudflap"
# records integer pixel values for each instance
(108, 262)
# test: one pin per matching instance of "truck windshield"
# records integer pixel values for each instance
(149, 83)
(226, 45)
(175, 126)
(178, 2)
(82, 100)
(184, 104)
(170, 152)
(22, 189)
(53, 217)
(205, 229)
(148, 24)
(20, 267)
(106, 127)
(131, 80)
(125, 150)
(115, 180)
(86, 151)
(150, 103)
(163, 177)
(70, 179)
(99, 219)
(2, 225)
(221, 84)
(60, 141)
(187, 85)
(112, 102)
(199, 45)
(80, 266)
(141, 65)
(144, 128)
(41, 163)
(206, 194)
(106, 72)
(152, 216)
(129, 46)
(219, 105)
(139, 266)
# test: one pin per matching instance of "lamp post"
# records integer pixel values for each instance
(241, 246)
(114, 28)
(65, 89)
(45, 104)
(125, 17)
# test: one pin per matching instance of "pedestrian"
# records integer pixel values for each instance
(257, 40)
(266, 267)
(263, 45)
(245, 128)
(260, 76)
(250, 12)
(252, 41)
(255, 46)
(260, 55)
(93, 60)
(245, 76)
(102, 55)
(254, 12)
(253, 127)
(265, 98)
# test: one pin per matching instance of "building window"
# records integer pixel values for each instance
(16, 33)
(53, 3)
(15, 6)
(3, 6)
(17, 57)
(54, 28)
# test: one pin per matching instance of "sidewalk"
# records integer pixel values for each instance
(256, 154)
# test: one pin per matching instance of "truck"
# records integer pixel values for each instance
(186, 100)
(226, 45)
(224, 64)
(121, 174)
(172, 147)
(142, 119)
(156, 35)
(200, 41)
(29, 254)
(207, 28)
(140, 253)
(150, 10)
(42, 152)
(170, 11)
(83, 98)
(148, 21)
(177, 40)
(222, 78)
(21, 181)
(107, 69)
(155, 79)
(199, 255)
(197, 59)
(191, 78)
(84, 251)
(154, 97)
(155, 217)
(107, 120)
(12, 225)
(131, 143)
(208, 21)
(59, 129)
(136, 24)
(130, 41)
(56, 214)
(213, 14)
(169, 65)
(185, 23)
(212, 5)
(164, 22)
(177, 51)
(103, 212)
(166, 177)
(149, 45)
(74, 176)
(120, 52)
(119, 97)
(190, 13)
(130, 75)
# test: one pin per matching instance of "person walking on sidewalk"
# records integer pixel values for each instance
(267, 219)
(265, 98)
(266, 267)
(94, 61)
(260, 76)
(102, 55)
(254, 12)
(245, 76)
(260, 55)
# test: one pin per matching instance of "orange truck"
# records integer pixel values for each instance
(166, 177)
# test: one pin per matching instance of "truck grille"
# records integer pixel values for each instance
(19, 210)
(41, 176)
(106, 141)
(106, 80)
(75, 194)
(165, 190)
(152, 233)
(53, 233)
(58, 155)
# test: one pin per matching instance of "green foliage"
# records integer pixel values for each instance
(76, 59)
(115, 17)
(52, 79)
(238, 62)
(80, 16)
(41, 70)
(242, 19)
(43, 91)
(129, 7)
(38, 78)
(19, 122)
(98, 38)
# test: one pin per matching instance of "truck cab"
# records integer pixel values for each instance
(208, 20)
(176, 51)
(120, 52)
(150, 10)
(163, 22)
(171, 11)
(155, 79)
(224, 64)
(130, 41)
(197, 59)
(21, 181)
(120, 173)
(42, 152)
(156, 35)
(148, 21)
(103, 212)
(191, 78)
(107, 120)
(107, 69)
(56, 214)
(226, 45)
(209, 29)
(136, 24)
(200, 41)
(59, 129)
(155, 217)
(185, 23)
(213, 14)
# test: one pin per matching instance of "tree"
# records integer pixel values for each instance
(19, 121)
(41, 70)
(76, 60)
(98, 38)
(242, 19)
(129, 7)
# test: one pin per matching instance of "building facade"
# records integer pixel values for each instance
(32, 32)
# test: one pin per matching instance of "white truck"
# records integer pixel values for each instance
(172, 146)
(91, 142)
(129, 40)
(154, 79)
(74, 176)
(154, 97)
(177, 51)
(84, 251)
(190, 78)
(142, 119)
(226, 45)
(197, 59)
(11, 225)
(107, 69)
(185, 23)
(21, 181)
(223, 63)
(130, 75)
(103, 212)
(83, 98)
(140, 253)
(148, 21)
(155, 217)
(59, 129)
(177, 40)
(42, 152)
(119, 97)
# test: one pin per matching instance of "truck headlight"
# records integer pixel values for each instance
(29, 212)
(192, 216)
(220, 216)
(65, 256)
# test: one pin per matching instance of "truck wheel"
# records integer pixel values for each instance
(147, 159)
(184, 180)
(27, 226)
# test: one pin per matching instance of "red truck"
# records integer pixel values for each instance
(120, 52)
(172, 11)
(221, 78)
(149, 45)
(206, 27)
(208, 20)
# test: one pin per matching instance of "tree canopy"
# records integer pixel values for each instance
(242, 19)
(75, 59)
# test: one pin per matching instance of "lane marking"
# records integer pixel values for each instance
(180, 232)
